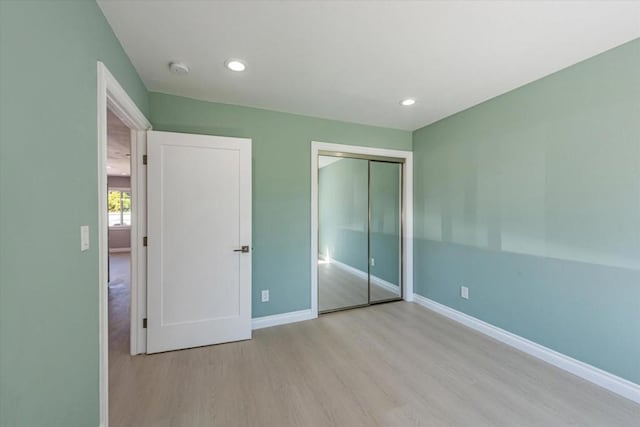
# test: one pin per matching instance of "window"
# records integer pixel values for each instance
(119, 203)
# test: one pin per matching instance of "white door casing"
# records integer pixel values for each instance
(199, 215)
(407, 194)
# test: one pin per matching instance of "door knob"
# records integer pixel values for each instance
(244, 249)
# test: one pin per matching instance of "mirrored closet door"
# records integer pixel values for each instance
(359, 231)
(385, 231)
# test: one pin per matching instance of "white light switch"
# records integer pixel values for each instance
(464, 292)
(265, 295)
(84, 237)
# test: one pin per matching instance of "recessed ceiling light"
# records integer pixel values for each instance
(235, 65)
(179, 68)
(407, 102)
(123, 173)
(108, 167)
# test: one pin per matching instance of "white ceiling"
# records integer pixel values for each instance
(355, 60)
(118, 146)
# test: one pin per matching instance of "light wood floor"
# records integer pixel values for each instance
(119, 292)
(338, 288)
(394, 364)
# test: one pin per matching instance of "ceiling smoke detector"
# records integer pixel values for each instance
(179, 68)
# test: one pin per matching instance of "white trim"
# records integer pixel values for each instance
(282, 319)
(407, 268)
(110, 95)
(364, 275)
(583, 370)
(119, 250)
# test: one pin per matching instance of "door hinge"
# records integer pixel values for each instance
(144, 323)
(144, 159)
(144, 241)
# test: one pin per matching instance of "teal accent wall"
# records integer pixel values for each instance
(281, 183)
(532, 200)
(343, 196)
(48, 188)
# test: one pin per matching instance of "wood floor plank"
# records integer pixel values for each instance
(394, 364)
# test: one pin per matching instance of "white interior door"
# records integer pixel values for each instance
(199, 216)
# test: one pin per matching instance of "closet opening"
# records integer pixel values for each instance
(360, 230)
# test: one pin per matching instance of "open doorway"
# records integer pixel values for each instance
(122, 130)
(119, 236)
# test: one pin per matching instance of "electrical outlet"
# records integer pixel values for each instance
(464, 292)
(373, 262)
(265, 295)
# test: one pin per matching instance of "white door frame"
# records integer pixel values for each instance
(112, 96)
(407, 200)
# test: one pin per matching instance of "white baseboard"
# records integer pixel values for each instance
(119, 250)
(363, 274)
(583, 370)
(281, 319)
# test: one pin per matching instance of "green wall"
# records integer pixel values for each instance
(281, 183)
(343, 196)
(532, 200)
(48, 188)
